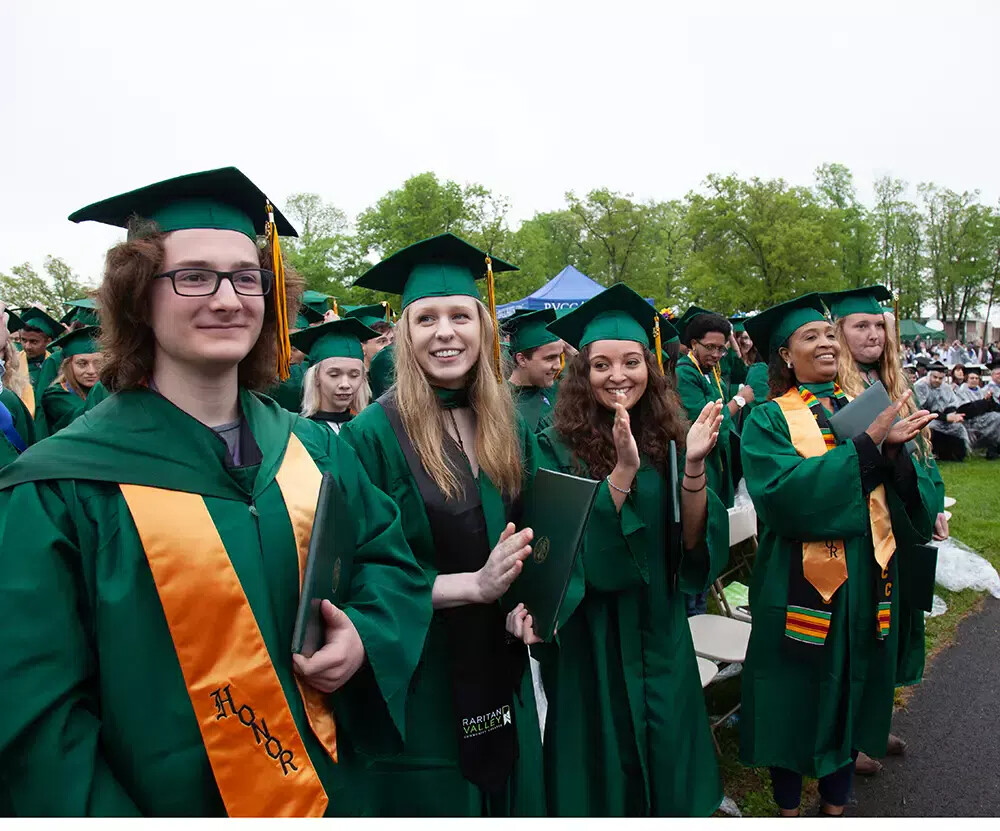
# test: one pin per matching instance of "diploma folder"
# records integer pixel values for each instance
(556, 507)
(328, 566)
(860, 414)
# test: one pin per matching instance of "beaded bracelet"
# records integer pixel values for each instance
(625, 491)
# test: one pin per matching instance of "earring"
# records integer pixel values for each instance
(789, 364)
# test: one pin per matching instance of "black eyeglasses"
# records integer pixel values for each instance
(204, 282)
(712, 348)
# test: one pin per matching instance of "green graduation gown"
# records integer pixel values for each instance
(95, 718)
(734, 372)
(288, 393)
(695, 391)
(807, 709)
(58, 408)
(425, 779)
(49, 370)
(35, 368)
(534, 404)
(627, 733)
(22, 422)
(382, 370)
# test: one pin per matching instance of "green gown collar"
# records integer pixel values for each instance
(820, 390)
(164, 447)
(452, 399)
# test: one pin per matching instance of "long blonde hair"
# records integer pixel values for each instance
(311, 397)
(890, 370)
(498, 447)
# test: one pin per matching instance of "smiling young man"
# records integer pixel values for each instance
(167, 531)
(700, 381)
(536, 354)
(37, 332)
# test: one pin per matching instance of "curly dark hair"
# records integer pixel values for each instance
(585, 425)
(780, 377)
(127, 338)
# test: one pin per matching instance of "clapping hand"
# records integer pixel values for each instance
(704, 433)
(505, 563)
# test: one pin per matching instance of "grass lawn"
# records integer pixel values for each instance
(975, 484)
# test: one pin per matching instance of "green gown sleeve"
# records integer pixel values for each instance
(757, 380)
(23, 422)
(390, 601)
(808, 499)
(60, 408)
(49, 698)
(97, 394)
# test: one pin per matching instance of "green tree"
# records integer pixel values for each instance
(24, 285)
(756, 243)
(326, 253)
(664, 254)
(855, 240)
(542, 247)
(899, 259)
(612, 230)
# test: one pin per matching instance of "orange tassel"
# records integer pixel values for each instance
(491, 296)
(656, 342)
(280, 300)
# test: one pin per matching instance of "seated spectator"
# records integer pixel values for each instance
(991, 389)
(984, 428)
(949, 438)
(957, 376)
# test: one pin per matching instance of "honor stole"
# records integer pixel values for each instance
(235, 690)
(824, 563)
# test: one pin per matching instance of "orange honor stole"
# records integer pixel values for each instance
(234, 689)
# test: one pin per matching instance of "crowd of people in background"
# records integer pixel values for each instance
(164, 444)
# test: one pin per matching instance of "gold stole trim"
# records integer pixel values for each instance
(27, 394)
(824, 564)
(258, 758)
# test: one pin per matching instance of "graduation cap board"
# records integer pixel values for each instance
(528, 329)
(335, 339)
(78, 342)
(440, 266)
(617, 313)
(370, 314)
(82, 311)
(866, 300)
(771, 329)
(739, 323)
(36, 318)
(14, 321)
(936, 366)
(316, 301)
(307, 316)
(222, 199)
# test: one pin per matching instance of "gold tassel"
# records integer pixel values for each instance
(656, 341)
(492, 297)
(280, 300)
(388, 312)
(336, 308)
(562, 365)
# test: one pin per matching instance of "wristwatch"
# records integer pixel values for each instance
(741, 402)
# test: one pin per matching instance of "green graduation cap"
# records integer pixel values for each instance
(82, 311)
(617, 313)
(528, 329)
(369, 314)
(224, 199)
(335, 339)
(78, 342)
(307, 317)
(739, 323)
(38, 319)
(317, 301)
(866, 300)
(771, 329)
(14, 321)
(437, 267)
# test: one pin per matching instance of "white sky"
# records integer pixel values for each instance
(531, 99)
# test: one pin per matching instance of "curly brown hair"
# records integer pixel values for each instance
(780, 377)
(585, 425)
(127, 338)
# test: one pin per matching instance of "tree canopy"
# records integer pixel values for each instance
(732, 244)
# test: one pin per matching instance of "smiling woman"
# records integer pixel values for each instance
(169, 528)
(445, 444)
(825, 591)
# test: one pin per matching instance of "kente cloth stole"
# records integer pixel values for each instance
(824, 563)
(258, 758)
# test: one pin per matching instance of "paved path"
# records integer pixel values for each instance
(952, 729)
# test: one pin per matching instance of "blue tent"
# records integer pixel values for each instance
(567, 290)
